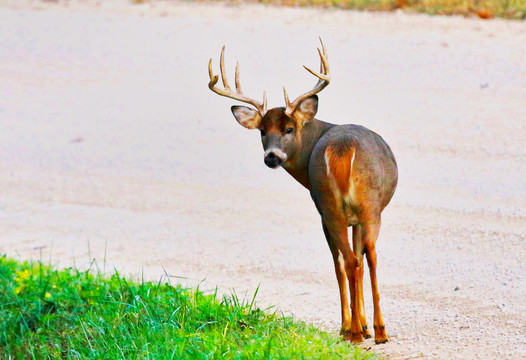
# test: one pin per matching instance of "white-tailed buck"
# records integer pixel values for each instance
(350, 172)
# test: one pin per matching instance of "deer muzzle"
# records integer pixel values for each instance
(274, 158)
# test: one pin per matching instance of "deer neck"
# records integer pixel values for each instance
(298, 165)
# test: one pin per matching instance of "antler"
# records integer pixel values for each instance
(323, 80)
(228, 92)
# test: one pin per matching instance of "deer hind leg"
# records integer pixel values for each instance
(370, 234)
(341, 277)
(345, 265)
(358, 251)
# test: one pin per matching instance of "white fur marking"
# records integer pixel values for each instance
(352, 161)
(341, 261)
(278, 152)
(328, 162)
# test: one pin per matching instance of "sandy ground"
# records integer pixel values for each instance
(113, 148)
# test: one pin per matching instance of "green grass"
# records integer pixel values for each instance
(49, 314)
(509, 9)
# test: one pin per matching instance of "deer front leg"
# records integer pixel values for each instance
(345, 265)
(370, 235)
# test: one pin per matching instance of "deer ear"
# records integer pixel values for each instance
(246, 116)
(307, 109)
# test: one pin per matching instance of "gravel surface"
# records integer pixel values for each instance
(113, 148)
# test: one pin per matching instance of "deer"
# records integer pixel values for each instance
(350, 172)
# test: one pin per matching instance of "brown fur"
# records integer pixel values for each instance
(340, 166)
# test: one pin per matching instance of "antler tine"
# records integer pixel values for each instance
(228, 92)
(324, 59)
(222, 69)
(238, 84)
(287, 101)
(324, 68)
(211, 73)
(323, 48)
(323, 76)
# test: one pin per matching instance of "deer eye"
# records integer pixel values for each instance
(290, 130)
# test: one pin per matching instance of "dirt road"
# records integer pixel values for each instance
(111, 146)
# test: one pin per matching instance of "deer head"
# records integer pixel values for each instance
(281, 127)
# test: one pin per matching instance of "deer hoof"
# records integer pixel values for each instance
(379, 335)
(365, 332)
(348, 335)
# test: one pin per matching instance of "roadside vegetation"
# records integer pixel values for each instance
(49, 314)
(485, 9)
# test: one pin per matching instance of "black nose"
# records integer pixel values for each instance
(272, 161)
